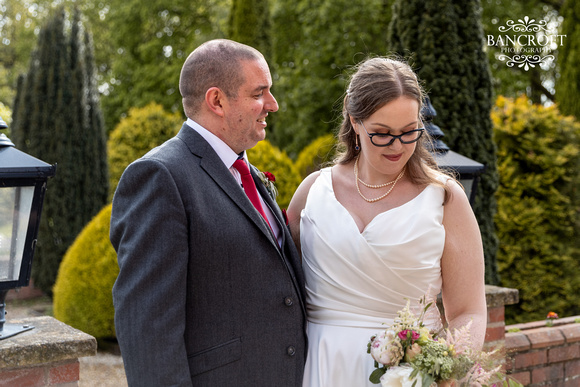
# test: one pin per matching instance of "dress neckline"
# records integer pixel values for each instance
(380, 214)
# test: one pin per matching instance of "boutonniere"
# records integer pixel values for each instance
(268, 179)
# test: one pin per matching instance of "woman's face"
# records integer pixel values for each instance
(396, 117)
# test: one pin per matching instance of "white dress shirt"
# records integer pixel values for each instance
(229, 157)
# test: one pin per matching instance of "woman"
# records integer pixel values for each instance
(382, 226)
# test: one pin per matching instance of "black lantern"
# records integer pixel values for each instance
(469, 171)
(22, 186)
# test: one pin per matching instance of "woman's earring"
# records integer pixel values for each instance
(356, 147)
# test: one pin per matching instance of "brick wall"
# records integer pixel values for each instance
(538, 355)
(495, 331)
(62, 374)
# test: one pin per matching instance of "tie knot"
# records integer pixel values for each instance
(242, 167)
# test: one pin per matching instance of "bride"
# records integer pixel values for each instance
(382, 226)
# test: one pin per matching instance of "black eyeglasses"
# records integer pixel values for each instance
(383, 139)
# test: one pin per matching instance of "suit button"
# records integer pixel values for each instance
(288, 301)
(291, 351)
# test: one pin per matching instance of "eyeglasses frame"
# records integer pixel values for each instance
(394, 137)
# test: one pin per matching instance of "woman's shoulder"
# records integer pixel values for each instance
(298, 201)
(442, 177)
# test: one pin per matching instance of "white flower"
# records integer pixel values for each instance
(399, 377)
(384, 348)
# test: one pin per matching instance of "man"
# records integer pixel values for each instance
(210, 290)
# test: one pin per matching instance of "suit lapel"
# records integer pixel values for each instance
(217, 171)
(272, 205)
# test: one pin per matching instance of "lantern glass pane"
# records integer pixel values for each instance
(15, 206)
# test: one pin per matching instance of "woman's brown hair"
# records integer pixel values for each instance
(376, 82)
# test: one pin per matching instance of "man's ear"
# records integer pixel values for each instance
(214, 100)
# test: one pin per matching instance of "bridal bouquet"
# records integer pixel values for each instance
(407, 354)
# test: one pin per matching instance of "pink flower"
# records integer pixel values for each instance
(404, 335)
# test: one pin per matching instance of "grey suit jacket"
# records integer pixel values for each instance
(204, 296)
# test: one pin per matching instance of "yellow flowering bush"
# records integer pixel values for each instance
(316, 155)
(538, 153)
(268, 158)
(83, 289)
(142, 130)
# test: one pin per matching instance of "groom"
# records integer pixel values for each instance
(210, 289)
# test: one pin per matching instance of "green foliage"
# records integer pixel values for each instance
(568, 84)
(152, 41)
(313, 44)
(538, 208)
(268, 158)
(445, 40)
(83, 290)
(249, 23)
(140, 46)
(57, 119)
(144, 129)
(18, 21)
(318, 154)
(515, 80)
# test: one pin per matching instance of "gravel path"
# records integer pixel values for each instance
(102, 370)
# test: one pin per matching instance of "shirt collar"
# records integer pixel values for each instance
(225, 153)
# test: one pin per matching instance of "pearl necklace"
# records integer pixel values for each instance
(373, 186)
(356, 180)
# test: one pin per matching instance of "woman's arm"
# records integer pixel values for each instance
(462, 268)
(296, 206)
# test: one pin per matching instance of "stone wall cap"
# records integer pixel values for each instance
(497, 296)
(517, 341)
(50, 341)
(545, 337)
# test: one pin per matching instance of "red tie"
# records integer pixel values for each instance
(250, 186)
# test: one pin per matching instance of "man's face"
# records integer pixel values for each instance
(245, 115)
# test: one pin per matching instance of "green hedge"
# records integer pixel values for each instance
(83, 289)
(143, 129)
(538, 209)
(317, 154)
(267, 157)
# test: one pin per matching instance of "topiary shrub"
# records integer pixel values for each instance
(143, 129)
(267, 157)
(83, 290)
(316, 155)
(538, 209)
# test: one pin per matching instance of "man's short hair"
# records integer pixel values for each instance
(216, 63)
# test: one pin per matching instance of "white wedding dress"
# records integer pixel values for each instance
(357, 282)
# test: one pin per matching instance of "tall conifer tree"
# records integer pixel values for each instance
(249, 23)
(314, 45)
(568, 84)
(445, 40)
(58, 120)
